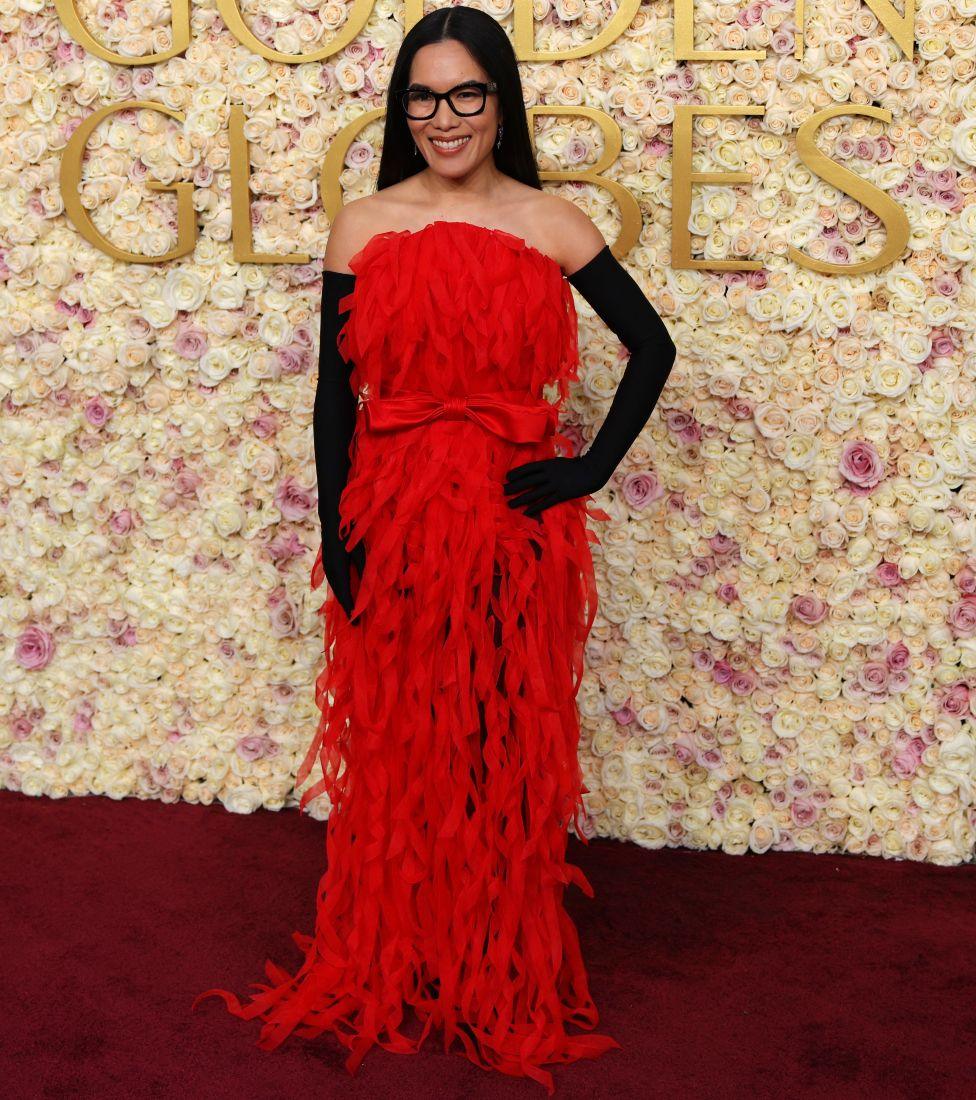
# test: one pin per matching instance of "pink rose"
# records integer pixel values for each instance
(962, 617)
(887, 574)
(956, 699)
(711, 759)
(623, 715)
(639, 489)
(120, 523)
(947, 284)
(803, 812)
(34, 648)
(809, 609)
(684, 750)
(703, 661)
(904, 764)
(899, 679)
(21, 728)
(265, 425)
(966, 580)
(860, 464)
(294, 359)
(283, 547)
(187, 482)
(304, 274)
(683, 425)
(873, 676)
(898, 656)
(906, 761)
(252, 747)
(727, 593)
(97, 411)
(294, 501)
(750, 16)
(743, 683)
(284, 622)
(722, 672)
(190, 342)
(722, 544)
(569, 440)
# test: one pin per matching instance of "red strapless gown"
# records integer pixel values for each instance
(449, 729)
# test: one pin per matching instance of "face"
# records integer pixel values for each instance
(440, 67)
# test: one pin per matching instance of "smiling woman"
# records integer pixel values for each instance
(465, 101)
(449, 732)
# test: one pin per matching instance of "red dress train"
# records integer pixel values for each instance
(449, 729)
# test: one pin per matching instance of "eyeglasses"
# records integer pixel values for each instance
(465, 99)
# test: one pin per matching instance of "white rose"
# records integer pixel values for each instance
(215, 364)
(275, 329)
(227, 518)
(964, 140)
(242, 799)
(184, 289)
(228, 292)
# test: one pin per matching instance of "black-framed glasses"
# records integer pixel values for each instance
(469, 98)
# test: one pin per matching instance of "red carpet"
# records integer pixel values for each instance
(781, 975)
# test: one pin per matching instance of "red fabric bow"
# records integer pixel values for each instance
(517, 421)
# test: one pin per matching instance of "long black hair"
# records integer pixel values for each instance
(486, 41)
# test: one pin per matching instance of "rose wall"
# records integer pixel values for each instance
(784, 656)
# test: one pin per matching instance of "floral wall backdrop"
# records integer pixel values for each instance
(785, 651)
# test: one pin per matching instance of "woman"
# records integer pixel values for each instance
(461, 586)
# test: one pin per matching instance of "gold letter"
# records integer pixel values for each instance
(894, 218)
(630, 216)
(240, 200)
(80, 33)
(900, 27)
(70, 182)
(684, 39)
(523, 33)
(682, 177)
(358, 14)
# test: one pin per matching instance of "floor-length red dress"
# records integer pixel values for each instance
(449, 729)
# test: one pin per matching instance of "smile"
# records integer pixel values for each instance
(456, 143)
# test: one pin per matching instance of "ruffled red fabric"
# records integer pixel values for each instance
(449, 729)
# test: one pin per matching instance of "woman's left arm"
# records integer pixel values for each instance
(623, 307)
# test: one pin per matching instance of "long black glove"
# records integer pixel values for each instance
(621, 304)
(333, 423)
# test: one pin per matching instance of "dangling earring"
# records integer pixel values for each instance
(498, 143)
(416, 149)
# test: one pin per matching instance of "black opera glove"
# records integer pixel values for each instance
(548, 481)
(622, 306)
(333, 424)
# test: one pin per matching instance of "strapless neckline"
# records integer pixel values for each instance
(521, 242)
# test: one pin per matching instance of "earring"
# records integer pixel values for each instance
(498, 143)
(416, 149)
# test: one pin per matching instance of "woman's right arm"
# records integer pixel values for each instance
(333, 424)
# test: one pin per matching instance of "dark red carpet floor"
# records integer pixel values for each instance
(779, 976)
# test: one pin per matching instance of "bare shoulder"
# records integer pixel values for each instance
(573, 237)
(351, 228)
